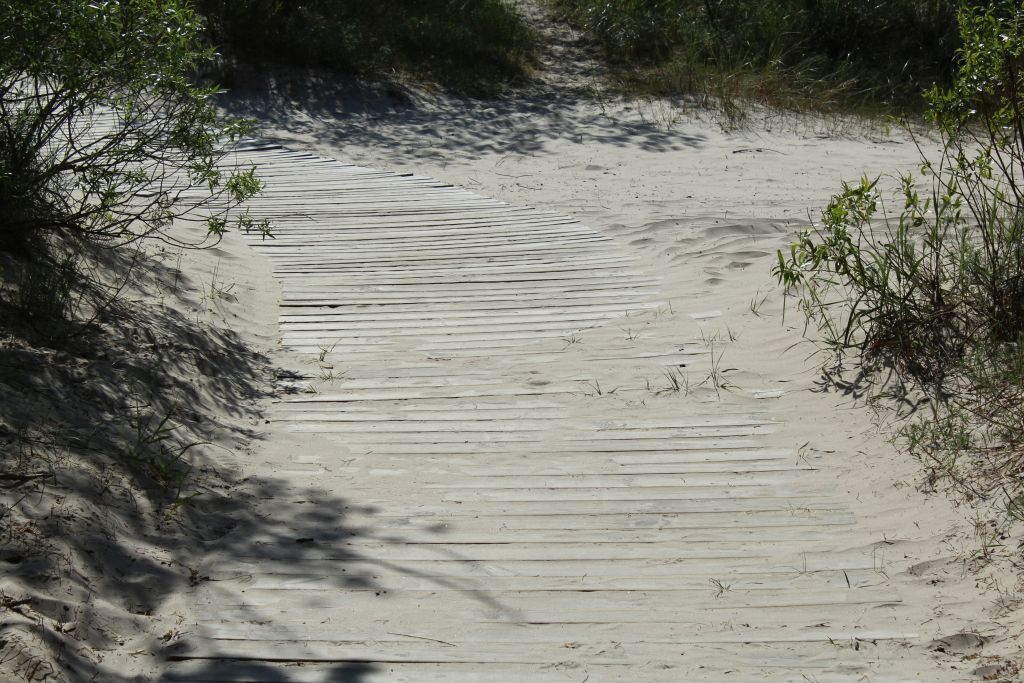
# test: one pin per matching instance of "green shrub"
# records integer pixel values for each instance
(936, 293)
(471, 45)
(104, 137)
(781, 51)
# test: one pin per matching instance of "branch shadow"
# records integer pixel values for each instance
(340, 111)
(870, 379)
(107, 522)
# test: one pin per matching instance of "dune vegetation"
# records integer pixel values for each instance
(804, 54)
(477, 47)
(926, 289)
(111, 151)
(110, 159)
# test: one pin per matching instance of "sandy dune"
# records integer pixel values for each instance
(511, 396)
(571, 442)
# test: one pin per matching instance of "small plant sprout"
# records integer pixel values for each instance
(150, 442)
(217, 289)
(757, 302)
(716, 374)
(720, 587)
(801, 453)
(709, 340)
(177, 272)
(678, 381)
(324, 350)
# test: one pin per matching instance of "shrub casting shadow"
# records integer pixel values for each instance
(98, 502)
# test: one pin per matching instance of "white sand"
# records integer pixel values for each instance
(635, 476)
(702, 212)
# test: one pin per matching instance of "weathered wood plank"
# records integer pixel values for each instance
(500, 520)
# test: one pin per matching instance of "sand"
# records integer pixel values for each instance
(417, 541)
(440, 476)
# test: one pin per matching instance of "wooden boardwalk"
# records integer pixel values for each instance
(507, 518)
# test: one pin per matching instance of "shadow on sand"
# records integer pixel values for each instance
(126, 449)
(341, 112)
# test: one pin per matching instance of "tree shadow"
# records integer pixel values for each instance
(344, 672)
(339, 110)
(124, 477)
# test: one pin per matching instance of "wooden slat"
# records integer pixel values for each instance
(476, 510)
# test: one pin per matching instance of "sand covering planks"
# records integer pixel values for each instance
(512, 519)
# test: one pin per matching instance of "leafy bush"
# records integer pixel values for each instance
(777, 50)
(471, 45)
(104, 138)
(937, 293)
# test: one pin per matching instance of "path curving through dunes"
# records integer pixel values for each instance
(487, 486)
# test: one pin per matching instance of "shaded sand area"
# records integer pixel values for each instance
(511, 396)
(575, 442)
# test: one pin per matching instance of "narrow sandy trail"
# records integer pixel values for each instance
(504, 467)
